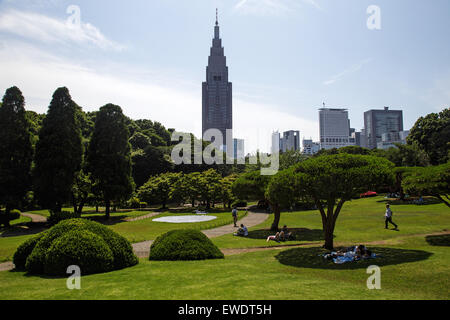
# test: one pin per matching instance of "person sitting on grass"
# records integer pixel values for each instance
(242, 231)
(285, 234)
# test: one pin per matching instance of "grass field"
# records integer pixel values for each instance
(413, 265)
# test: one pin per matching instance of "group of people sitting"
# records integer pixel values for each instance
(354, 253)
(283, 235)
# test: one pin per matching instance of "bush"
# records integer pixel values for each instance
(239, 203)
(184, 245)
(24, 250)
(120, 248)
(56, 217)
(81, 248)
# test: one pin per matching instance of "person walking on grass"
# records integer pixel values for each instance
(388, 217)
(234, 213)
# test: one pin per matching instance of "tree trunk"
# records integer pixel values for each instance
(7, 211)
(107, 205)
(443, 200)
(276, 218)
(96, 207)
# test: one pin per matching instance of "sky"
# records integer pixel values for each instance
(285, 57)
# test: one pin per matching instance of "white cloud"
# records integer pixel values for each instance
(173, 103)
(35, 26)
(352, 69)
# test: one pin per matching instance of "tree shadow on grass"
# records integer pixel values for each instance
(439, 240)
(313, 258)
(113, 220)
(298, 234)
(23, 229)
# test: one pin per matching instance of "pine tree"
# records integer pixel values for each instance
(109, 156)
(16, 152)
(58, 152)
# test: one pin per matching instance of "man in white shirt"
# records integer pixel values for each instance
(388, 216)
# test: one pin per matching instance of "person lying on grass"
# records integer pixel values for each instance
(350, 254)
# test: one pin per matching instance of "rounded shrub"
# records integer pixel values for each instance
(121, 249)
(24, 250)
(81, 248)
(184, 245)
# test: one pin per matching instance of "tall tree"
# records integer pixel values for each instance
(282, 192)
(16, 152)
(334, 179)
(432, 134)
(109, 156)
(58, 152)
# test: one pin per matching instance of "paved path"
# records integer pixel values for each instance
(6, 266)
(142, 249)
(34, 217)
(147, 216)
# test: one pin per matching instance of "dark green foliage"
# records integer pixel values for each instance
(149, 162)
(24, 250)
(58, 152)
(16, 151)
(78, 247)
(57, 217)
(251, 186)
(184, 245)
(6, 218)
(109, 156)
(119, 246)
(429, 181)
(139, 141)
(239, 203)
(432, 134)
(159, 189)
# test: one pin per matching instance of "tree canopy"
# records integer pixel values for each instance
(432, 181)
(332, 180)
(109, 156)
(432, 134)
(16, 152)
(58, 152)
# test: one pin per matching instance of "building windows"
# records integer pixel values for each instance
(217, 78)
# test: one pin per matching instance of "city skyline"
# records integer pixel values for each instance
(287, 58)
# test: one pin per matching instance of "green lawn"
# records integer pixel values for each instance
(413, 266)
(359, 221)
(256, 275)
(147, 229)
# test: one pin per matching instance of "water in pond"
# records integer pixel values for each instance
(185, 219)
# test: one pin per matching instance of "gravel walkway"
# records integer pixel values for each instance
(35, 217)
(142, 249)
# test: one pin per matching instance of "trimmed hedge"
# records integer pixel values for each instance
(78, 247)
(184, 245)
(35, 251)
(24, 250)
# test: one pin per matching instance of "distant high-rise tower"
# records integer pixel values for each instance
(217, 110)
(334, 128)
(379, 122)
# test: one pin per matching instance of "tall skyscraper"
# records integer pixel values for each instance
(217, 110)
(379, 122)
(290, 141)
(334, 128)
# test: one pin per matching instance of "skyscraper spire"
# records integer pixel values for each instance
(217, 17)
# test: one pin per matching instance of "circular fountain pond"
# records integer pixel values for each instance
(185, 219)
